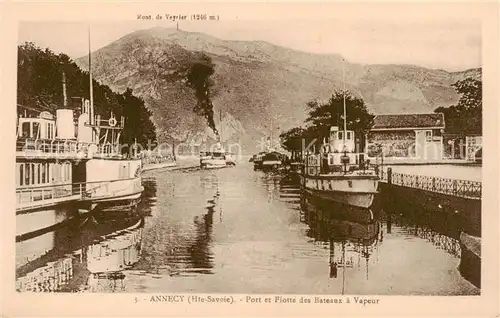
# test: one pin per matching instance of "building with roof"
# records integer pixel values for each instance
(407, 136)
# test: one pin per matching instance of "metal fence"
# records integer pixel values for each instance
(455, 187)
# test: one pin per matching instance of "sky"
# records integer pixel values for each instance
(449, 44)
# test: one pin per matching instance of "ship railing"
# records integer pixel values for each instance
(56, 147)
(455, 187)
(28, 197)
(101, 189)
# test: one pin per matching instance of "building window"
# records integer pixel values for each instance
(36, 130)
(39, 173)
(45, 134)
(50, 131)
(428, 135)
(42, 173)
(27, 174)
(47, 173)
(32, 173)
(348, 135)
(21, 174)
(68, 171)
(55, 174)
(25, 130)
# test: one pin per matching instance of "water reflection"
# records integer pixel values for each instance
(430, 232)
(270, 239)
(149, 200)
(179, 229)
(108, 258)
(351, 244)
(101, 247)
(200, 252)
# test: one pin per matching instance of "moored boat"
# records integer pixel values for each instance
(339, 174)
(68, 162)
(273, 161)
(257, 160)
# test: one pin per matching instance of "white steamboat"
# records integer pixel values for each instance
(66, 168)
(339, 174)
(215, 159)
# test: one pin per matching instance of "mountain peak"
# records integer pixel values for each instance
(256, 80)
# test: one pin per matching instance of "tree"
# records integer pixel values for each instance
(466, 116)
(39, 85)
(322, 116)
(291, 140)
(138, 125)
(296, 138)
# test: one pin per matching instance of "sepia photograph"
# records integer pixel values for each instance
(196, 153)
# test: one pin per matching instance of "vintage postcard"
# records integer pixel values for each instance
(284, 159)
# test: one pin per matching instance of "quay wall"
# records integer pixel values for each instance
(447, 213)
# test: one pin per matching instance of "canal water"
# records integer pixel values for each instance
(237, 230)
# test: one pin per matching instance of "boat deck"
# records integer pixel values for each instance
(46, 202)
(37, 197)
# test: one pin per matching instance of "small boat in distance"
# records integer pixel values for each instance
(273, 161)
(216, 159)
(257, 160)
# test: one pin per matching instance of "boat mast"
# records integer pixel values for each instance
(272, 128)
(90, 77)
(220, 119)
(95, 134)
(343, 267)
(343, 95)
(65, 96)
(366, 259)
